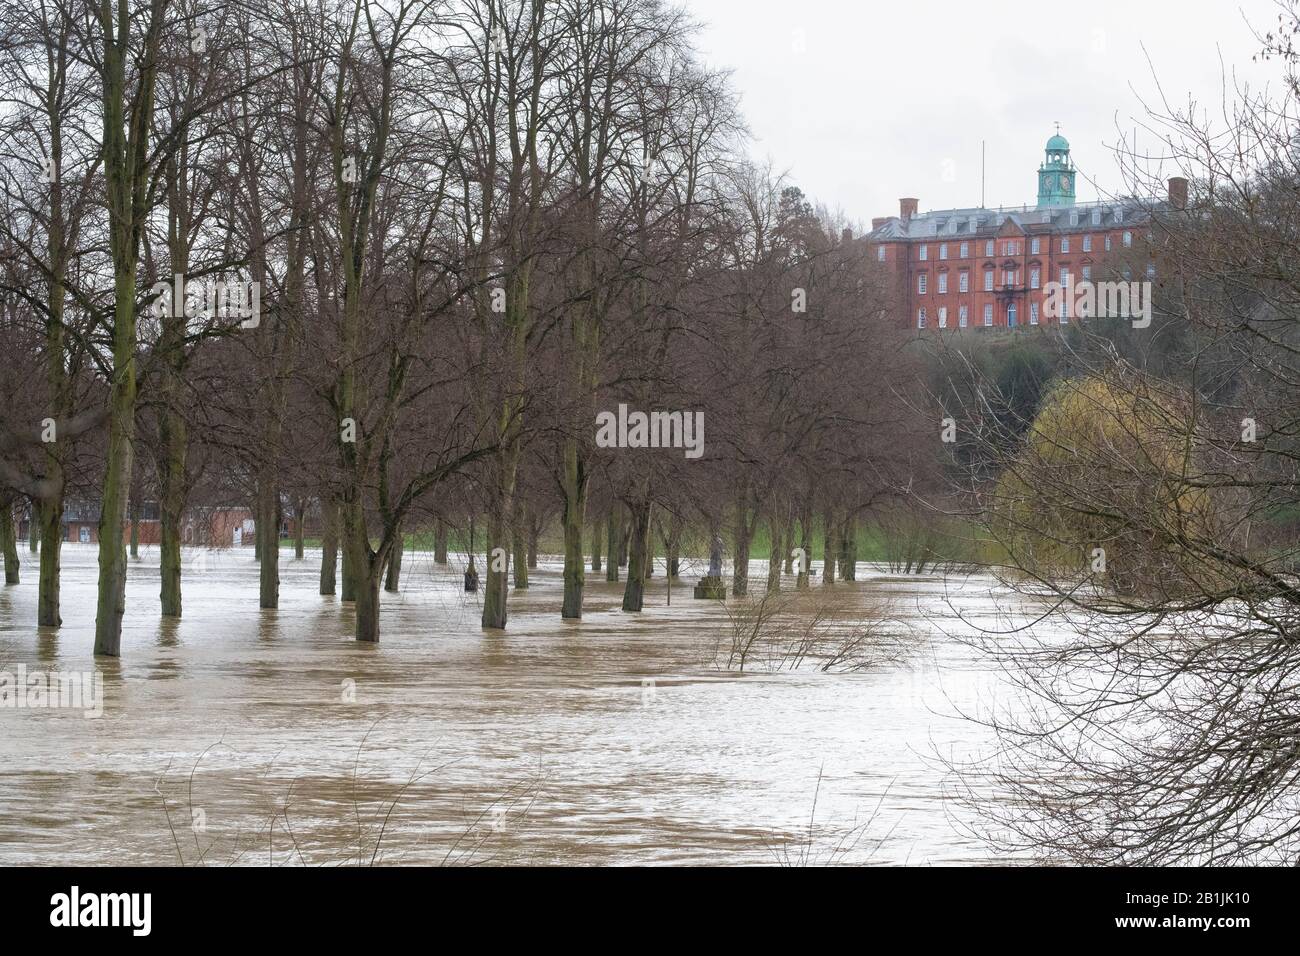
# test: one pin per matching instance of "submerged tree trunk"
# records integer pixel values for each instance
(171, 477)
(830, 547)
(519, 547)
(367, 604)
(534, 535)
(33, 527)
(740, 560)
(135, 528)
(849, 549)
(805, 544)
(299, 529)
(638, 552)
(111, 601)
(613, 535)
(573, 516)
(440, 542)
(597, 534)
(329, 546)
(268, 538)
(774, 558)
(48, 613)
(9, 542)
(393, 579)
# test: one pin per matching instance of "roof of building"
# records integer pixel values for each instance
(976, 221)
(1058, 142)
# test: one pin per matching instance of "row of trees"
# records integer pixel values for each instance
(458, 230)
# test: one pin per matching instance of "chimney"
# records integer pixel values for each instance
(846, 235)
(907, 208)
(878, 222)
(1178, 192)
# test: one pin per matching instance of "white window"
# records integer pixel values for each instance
(920, 319)
(1096, 217)
(1033, 278)
(1151, 271)
(1033, 246)
(1087, 273)
(925, 252)
(943, 282)
(880, 253)
(1087, 243)
(961, 316)
(963, 281)
(988, 248)
(1065, 243)
(1128, 239)
(1074, 218)
(988, 280)
(1011, 314)
(1008, 277)
(921, 282)
(1033, 313)
(1108, 243)
(1119, 215)
(943, 250)
(1065, 276)
(943, 317)
(988, 314)
(965, 250)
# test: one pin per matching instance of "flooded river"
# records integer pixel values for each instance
(237, 735)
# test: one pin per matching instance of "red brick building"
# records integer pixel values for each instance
(989, 268)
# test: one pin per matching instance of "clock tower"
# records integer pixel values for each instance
(1056, 175)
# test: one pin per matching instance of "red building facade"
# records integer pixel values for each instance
(990, 268)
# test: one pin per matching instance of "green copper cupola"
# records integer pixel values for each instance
(1056, 175)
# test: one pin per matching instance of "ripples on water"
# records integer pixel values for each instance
(604, 741)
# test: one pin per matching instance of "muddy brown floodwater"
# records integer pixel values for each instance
(242, 735)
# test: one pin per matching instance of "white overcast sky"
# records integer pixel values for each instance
(864, 101)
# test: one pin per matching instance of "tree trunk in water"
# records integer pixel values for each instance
(33, 524)
(440, 542)
(574, 515)
(367, 605)
(393, 580)
(774, 558)
(299, 531)
(329, 546)
(172, 506)
(349, 575)
(9, 542)
(613, 534)
(268, 539)
(805, 543)
(788, 539)
(535, 533)
(496, 593)
(849, 549)
(135, 528)
(519, 547)
(740, 561)
(597, 535)
(638, 553)
(830, 547)
(117, 486)
(47, 601)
